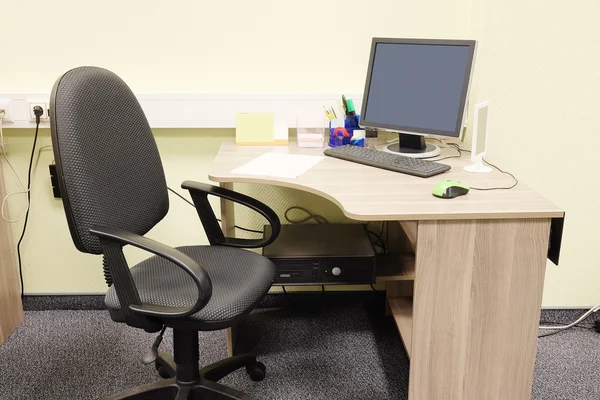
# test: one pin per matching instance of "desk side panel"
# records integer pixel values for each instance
(478, 293)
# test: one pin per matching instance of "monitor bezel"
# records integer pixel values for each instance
(458, 129)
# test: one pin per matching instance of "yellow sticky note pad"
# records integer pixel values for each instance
(254, 128)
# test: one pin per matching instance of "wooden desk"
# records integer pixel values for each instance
(11, 309)
(469, 322)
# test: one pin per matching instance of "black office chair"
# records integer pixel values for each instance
(113, 188)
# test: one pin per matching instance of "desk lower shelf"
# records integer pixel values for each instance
(401, 309)
(395, 267)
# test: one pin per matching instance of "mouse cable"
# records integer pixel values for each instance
(192, 204)
(460, 151)
(498, 188)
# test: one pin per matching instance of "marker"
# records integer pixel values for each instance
(350, 107)
(344, 105)
(352, 114)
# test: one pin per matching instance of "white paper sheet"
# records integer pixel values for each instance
(279, 165)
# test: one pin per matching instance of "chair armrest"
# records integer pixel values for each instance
(112, 242)
(200, 192)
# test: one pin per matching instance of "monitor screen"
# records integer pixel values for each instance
(418, 85)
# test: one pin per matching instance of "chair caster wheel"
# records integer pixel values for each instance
(162, 372)
(257, 371)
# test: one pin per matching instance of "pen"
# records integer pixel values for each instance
(333, 112)
(327, 114)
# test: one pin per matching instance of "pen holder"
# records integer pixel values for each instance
(345, 131)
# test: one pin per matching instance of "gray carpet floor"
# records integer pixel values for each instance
(313, 350)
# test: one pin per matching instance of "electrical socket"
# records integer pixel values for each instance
(41, 103)
(6, 107)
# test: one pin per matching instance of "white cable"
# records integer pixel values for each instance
(584, 316)
(25, 190)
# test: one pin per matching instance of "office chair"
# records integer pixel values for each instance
(114, 191)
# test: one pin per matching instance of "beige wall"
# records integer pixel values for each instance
(538, 63)
(213, 45)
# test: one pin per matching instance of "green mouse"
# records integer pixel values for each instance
(449, 189)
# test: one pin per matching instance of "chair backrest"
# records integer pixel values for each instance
(108, 166)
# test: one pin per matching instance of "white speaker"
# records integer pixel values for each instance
(480, 139)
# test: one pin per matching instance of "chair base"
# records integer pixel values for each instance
(170, 389)
(185, 381)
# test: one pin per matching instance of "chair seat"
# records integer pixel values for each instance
(240, 278)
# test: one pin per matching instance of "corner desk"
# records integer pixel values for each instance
(467, 304)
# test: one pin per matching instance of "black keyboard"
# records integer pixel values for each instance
(389, 161)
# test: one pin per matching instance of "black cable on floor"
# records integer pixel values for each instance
(37, 127)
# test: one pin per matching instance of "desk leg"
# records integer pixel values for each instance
(228, 227)
(477, 300)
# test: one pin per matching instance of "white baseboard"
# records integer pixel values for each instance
(198, 110)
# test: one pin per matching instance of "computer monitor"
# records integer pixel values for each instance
(417, 88)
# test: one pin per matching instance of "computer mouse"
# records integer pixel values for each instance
(449, 189)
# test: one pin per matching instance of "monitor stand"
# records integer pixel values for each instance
(413, 146)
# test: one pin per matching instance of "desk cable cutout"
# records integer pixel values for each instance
(192, 204)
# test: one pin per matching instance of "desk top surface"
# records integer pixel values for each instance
(369, 194)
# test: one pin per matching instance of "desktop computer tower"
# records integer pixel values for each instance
(322, 254)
